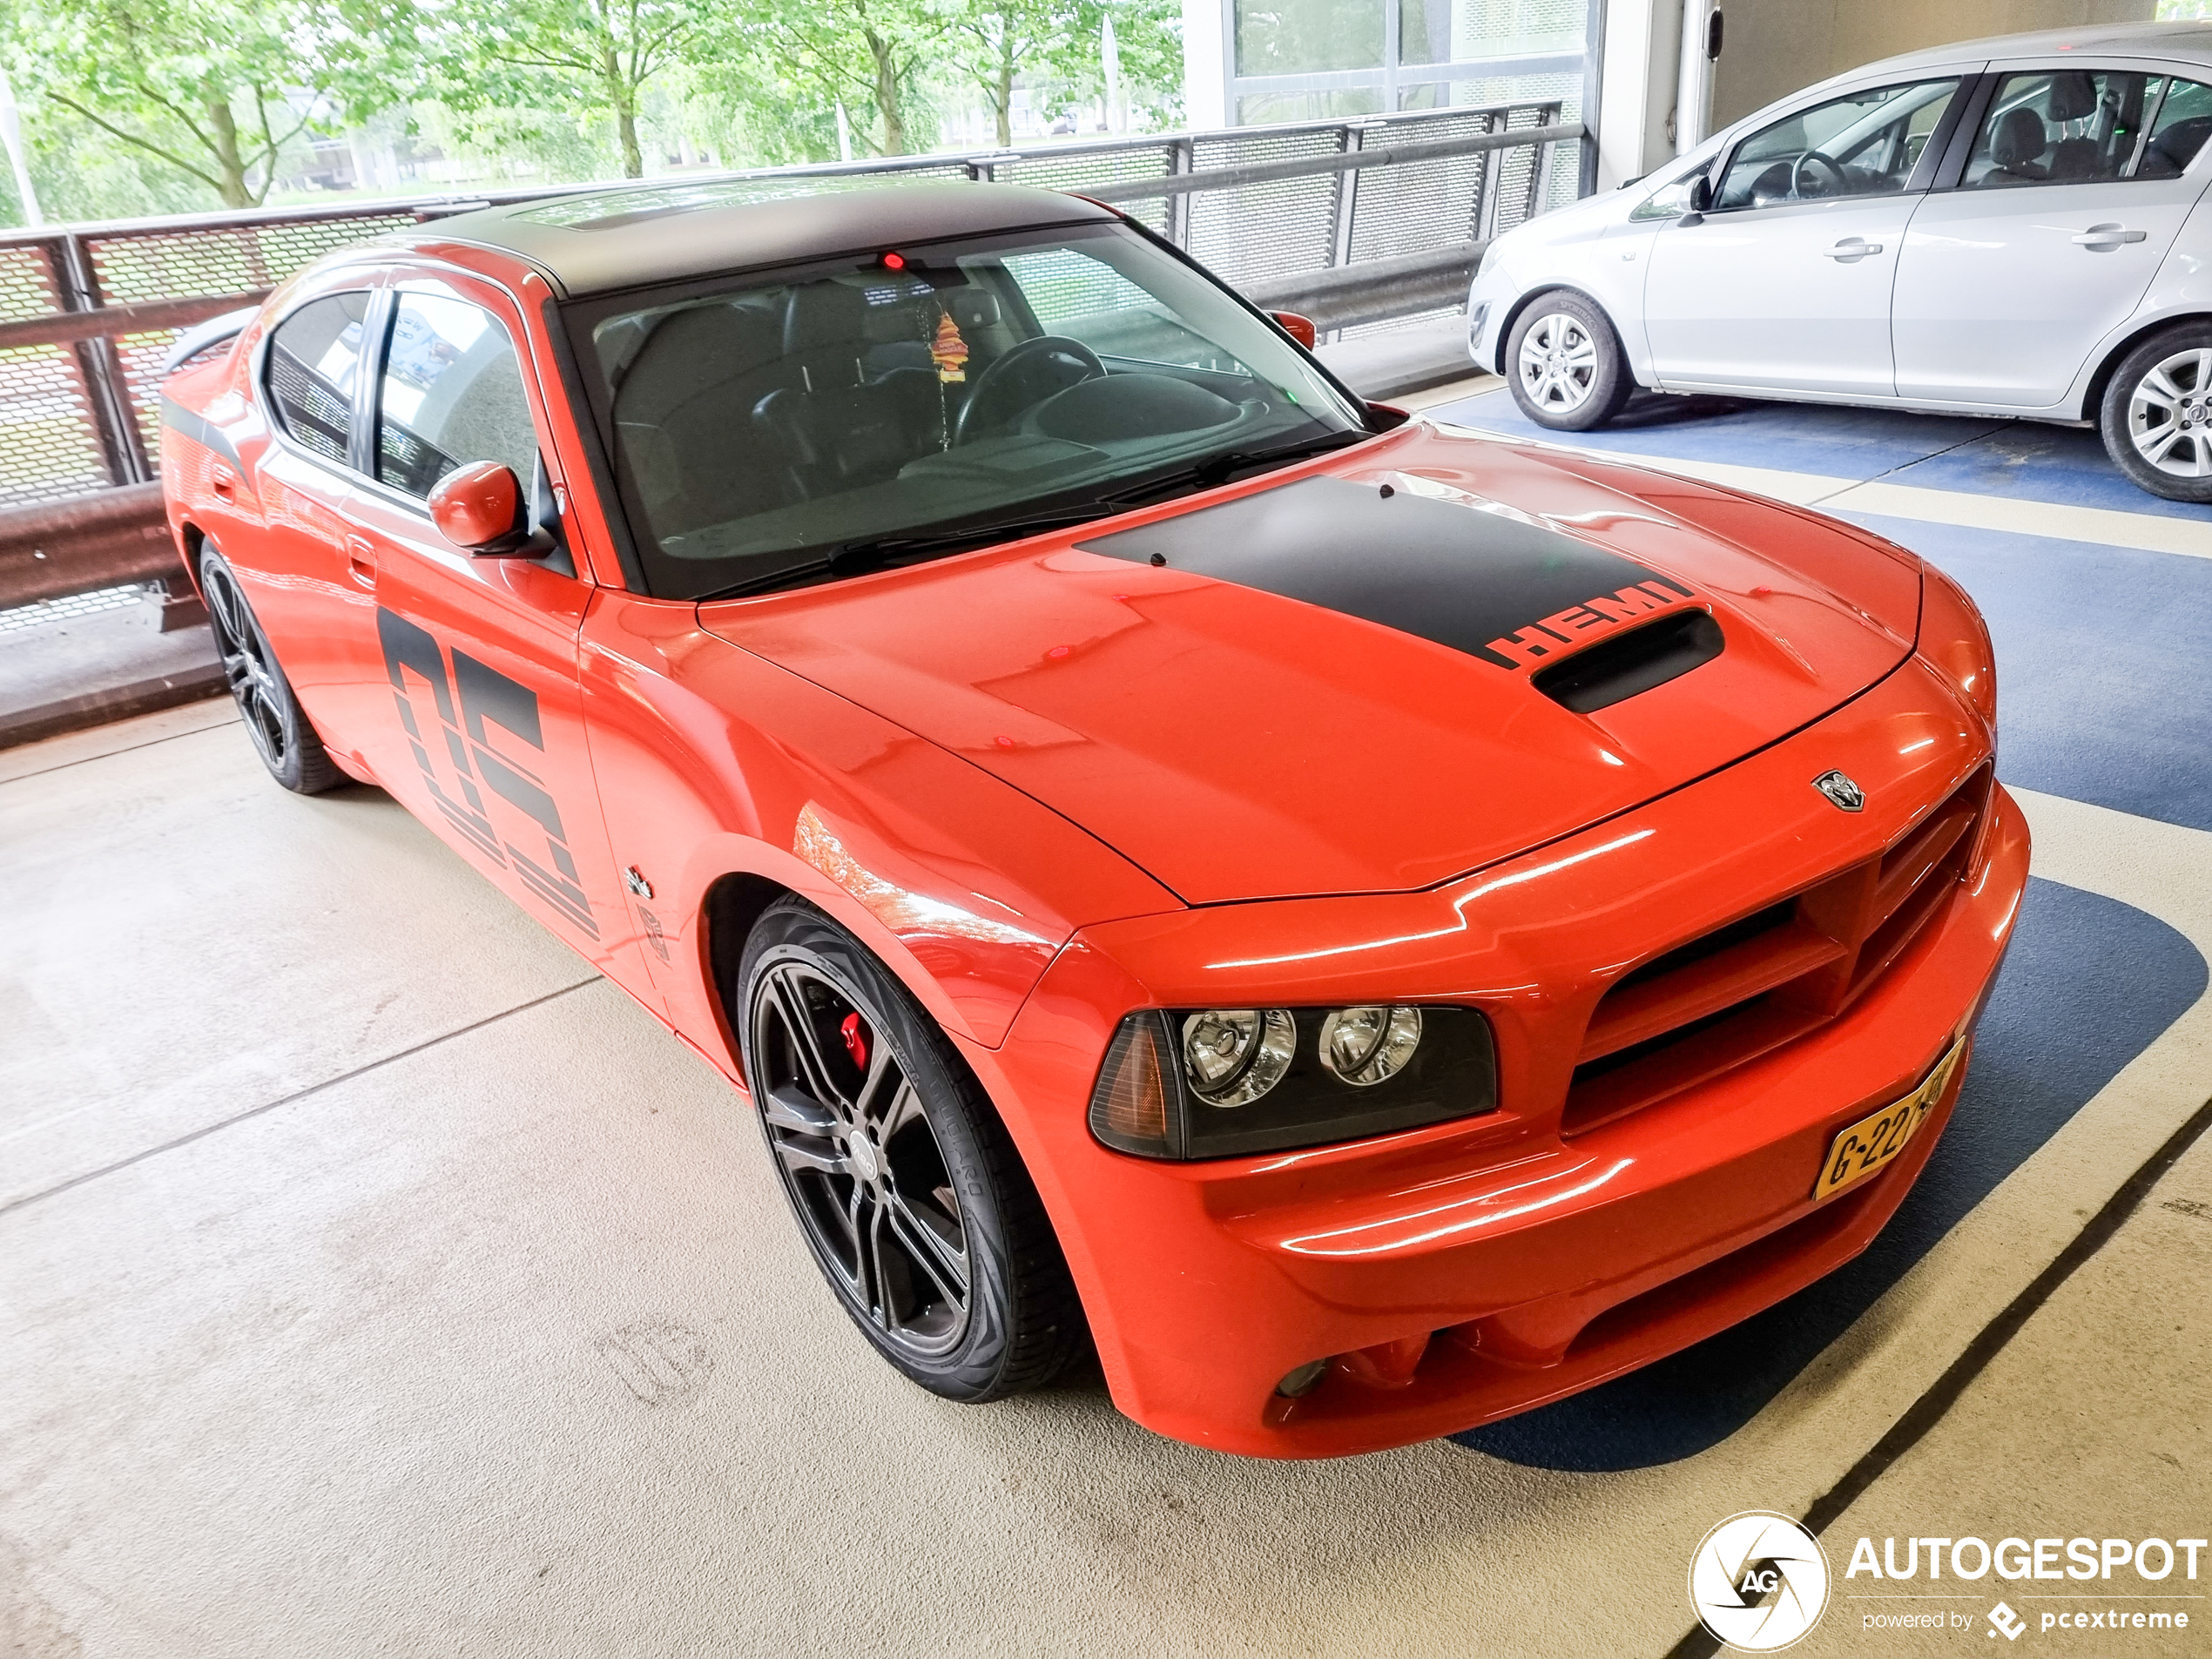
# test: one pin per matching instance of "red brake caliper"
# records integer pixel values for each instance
(856, 1039)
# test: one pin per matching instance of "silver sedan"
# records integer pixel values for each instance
(2011, 227)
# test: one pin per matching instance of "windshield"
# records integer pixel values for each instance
(761, 425)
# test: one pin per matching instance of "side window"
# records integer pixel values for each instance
(1863, 143)
(452, 394)
(2066, 126)
(2177, 132)
(314, 363)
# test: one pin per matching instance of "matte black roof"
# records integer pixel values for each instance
(621, 238)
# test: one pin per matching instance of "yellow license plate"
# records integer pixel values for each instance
(1860, 1149)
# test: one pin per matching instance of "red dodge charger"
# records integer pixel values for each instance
(1373, 928)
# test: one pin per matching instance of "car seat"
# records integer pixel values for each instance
(682, 403)
(2073, 97)
(839, 421)
(2016, 148)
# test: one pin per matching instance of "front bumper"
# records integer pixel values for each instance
(1534, 1262)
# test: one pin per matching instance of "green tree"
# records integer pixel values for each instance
(599, 54)
(865, 54)
(212, 88)
(1053, 47)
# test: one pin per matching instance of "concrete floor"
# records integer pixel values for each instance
(375, 1278)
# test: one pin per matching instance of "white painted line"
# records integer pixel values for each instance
(2098, 526)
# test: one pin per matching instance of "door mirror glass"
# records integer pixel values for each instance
(479, 507)
(1863, 143)
(1298, 328)
(1701, 193)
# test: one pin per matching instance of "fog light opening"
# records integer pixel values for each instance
(1302, 1381)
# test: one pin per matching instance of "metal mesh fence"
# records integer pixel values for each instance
(1279, 228)
(50, 444)
(163, 265)
(1086, 170)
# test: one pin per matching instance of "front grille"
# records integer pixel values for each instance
(1730, 995)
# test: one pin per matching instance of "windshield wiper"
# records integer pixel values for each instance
(848, 558)
(1215, 468)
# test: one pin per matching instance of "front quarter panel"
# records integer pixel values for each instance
(713, 761)
(1592, 248)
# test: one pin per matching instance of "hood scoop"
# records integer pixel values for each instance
(1614, 670)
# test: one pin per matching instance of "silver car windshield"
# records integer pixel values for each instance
(881, 406)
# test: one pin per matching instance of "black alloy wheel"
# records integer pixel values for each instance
(283, 734)
(910, 1196)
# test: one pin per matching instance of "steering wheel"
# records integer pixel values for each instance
(1021, 377)
(1800, 181)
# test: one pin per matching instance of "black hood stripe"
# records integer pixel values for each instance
(1508, 591)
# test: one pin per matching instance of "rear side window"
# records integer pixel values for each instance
(2072, 127)
(2178, 131)
(452, 394)
(314, 364)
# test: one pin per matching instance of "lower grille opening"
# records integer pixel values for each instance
(1728, 997)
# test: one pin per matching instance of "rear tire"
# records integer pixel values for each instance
(905, 1184)
(2156, 416)
(1565, 364)
(286, 739)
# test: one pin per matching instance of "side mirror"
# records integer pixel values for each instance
(479, 507)
(1298, 328)
(1701, 200)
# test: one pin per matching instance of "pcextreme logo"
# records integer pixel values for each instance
(1758, 1582)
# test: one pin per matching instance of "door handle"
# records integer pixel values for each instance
(222, 480)
(1852, 247)
(2101, 237)
(361, 560)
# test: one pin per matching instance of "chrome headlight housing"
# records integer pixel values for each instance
(1217, 1082)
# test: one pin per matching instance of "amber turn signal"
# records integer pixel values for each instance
(1129, 1109)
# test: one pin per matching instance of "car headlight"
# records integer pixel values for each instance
(1214, 1083)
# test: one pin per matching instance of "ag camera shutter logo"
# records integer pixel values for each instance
(1758, 1582)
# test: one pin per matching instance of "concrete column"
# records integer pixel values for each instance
(1636, 110)
(1206, 55)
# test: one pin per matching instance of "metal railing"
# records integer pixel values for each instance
(1355, 223)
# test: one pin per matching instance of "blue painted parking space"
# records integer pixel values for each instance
(2102, 654)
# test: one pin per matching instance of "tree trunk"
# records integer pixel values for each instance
(1003, 94)
(622, 97)
(231, 182)
(887, 93)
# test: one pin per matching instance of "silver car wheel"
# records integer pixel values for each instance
(2170, 416)
(1558, 363)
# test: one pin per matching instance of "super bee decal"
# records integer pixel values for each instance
(1503, 588)
(486, 696)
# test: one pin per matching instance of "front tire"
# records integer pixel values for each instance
(2156, 416)
(283, 736)
(1565, 365)
(906, 1186)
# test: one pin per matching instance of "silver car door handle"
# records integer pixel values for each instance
(2107, 236)
(1853, 248)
